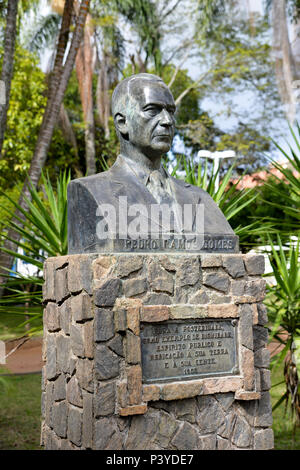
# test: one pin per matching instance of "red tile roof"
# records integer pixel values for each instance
(257, 179)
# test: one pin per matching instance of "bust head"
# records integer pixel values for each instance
(127, 217)
(143, 110)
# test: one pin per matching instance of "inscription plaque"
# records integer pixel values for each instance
(189, 349)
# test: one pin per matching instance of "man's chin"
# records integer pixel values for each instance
(162, 147)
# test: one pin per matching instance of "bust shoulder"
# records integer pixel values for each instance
(188, 186)
(116, 170)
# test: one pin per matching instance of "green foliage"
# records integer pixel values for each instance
(143, 16)
(230, 200)
(20, 413)
(2, 16)
(24, 6)
(283, 302)
(25, 114)
(12, 325)
(45, 225)
(284, 297)
(27, 103)
(188, 109)
(45, 30)
(6, 206)
(61, 156)
(238, 51)
(289, 192)
(248, 143)
(105, 21)
(208, 11)
(44, 234)
(232, 58)
(107, 149)
(279, 198)
(286, 437)
(241, 78)
(269, 208)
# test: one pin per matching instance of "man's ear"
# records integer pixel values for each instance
(120, 123)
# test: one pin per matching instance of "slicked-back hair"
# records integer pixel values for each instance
(121, 93)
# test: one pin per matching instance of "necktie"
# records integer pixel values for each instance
(158, 187)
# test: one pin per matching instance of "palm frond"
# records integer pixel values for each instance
(291, 177)
(44, 234)
(45, 32)
(229, 199)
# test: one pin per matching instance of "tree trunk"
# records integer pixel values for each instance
(61, 47)
(84, 71)
(296, 46)
(49, 120)
(102, 95)
(67, 129)
(284, 62)
(8, 63)
(54, 103)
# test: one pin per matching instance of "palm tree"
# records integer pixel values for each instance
(44, 35)
(144, 17)
(285, 56)
(84, 70)
(110, 57)
(44, 234)
(57, 87)
(8, 62)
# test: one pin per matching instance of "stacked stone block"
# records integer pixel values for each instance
(93, 396)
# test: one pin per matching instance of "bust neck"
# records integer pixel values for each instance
(137, 156)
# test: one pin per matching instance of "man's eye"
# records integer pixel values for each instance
(153, 110)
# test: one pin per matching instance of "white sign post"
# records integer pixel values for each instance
(2, 353)
(216, 156)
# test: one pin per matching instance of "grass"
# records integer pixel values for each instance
(20, 396)
(282, 423)
(11, 326)
(20, 414)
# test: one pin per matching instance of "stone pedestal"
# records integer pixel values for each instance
(99, 391)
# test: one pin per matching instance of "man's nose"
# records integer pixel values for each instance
(165, 118)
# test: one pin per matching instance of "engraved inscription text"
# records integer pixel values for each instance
(181, 350)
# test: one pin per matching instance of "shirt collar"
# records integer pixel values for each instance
(141, 172)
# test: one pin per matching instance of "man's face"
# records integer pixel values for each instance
(150, 118)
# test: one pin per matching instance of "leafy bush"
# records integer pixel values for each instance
(283, 302)
(44, 234)
(231, 201)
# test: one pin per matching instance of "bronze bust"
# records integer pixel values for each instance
(136, 205)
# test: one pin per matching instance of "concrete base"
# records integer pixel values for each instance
(94, 395)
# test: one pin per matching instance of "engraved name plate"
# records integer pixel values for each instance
(171, 243)
(189, 349)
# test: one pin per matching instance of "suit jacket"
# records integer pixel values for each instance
(87, 197)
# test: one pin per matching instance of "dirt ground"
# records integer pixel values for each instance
(26, 357)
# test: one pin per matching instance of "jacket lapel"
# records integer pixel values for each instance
(124, 183)
(185, 193)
